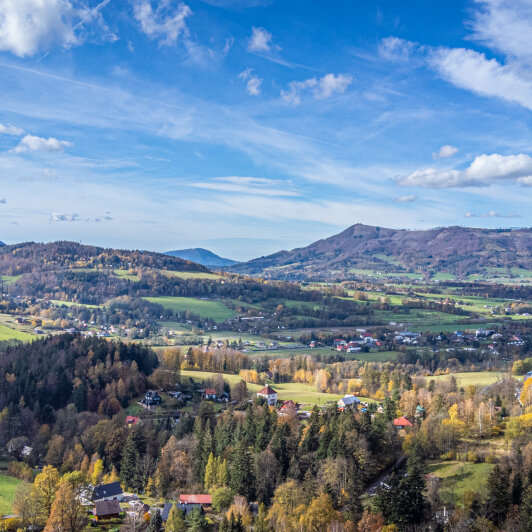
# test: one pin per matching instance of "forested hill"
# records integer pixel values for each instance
(17, 259)
(202, 256)
(460, 251)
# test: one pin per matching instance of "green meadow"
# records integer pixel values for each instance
(8, 488)
(478, 378)
(214, 310)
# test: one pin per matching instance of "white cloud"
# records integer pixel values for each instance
(253, 83)
(405, 199)
(247, 185)
(504, 26)
(321, 88)
(11, 130)
(260, 40)
(445, 152)
(2, 199)
(64, 217)
(28, 26)
(395, 49)
(32, 143)
(491, 214)
(485, 170)
(166, 23)
(471, 70)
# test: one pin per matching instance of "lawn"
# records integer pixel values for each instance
(7, 333)
(301, 393)
(214, 310)
(8, 487)
(459, 477)
(478, 378)
(192, 275)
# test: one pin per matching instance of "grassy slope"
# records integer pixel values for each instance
(459, 477)
(7, 333)
(480, 378)
(8, 487)
(302, 393)
(8, 279)
(215, 310)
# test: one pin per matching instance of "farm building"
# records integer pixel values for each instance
(269, 394)
(106, 510)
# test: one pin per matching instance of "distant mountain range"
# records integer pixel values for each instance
(1, 243)
(456, 252)
(203, 257)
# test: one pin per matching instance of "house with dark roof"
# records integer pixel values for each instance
(107, 492)
(269, 394)
(152, 398)
(185, 509)
(106, 510)
(224, 397)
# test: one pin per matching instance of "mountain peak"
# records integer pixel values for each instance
(202, 256)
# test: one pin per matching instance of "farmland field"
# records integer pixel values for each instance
(125, 274)
(59, 303)
(8, 279)
(8, 487)
(214, 310)
(480, 378)
(192, 275)
(8, 333)
(460, 477)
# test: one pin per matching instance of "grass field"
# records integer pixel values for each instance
(379, 274)
(214, 310)
(8, 487)
(301, 393)
(459, 477)
(8, 279)
(59, 303)
(125, 274)
(192, 275)
(478, 378)
(7, 333)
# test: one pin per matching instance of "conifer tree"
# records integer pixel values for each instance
(156, 522)
(498, 501)
(525, 515)
(210, 473)
(242, 478)
(128, 465)
(175, 521)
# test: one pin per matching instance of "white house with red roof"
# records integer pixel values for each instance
(269, 394)
(402, 422)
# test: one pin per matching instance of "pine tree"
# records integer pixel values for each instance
(210, 473)
(156, 522)
(196, 521)
(128, 465)
(525, 515)
(499, 499)
(261, 521)
(222, 475)
(242, 478)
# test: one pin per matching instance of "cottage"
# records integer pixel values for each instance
(287, 408)
(224, 397)
(402, 422)
(194, 498)
(269, 394)
(210, 394)
(106, 510)
(152, 398)
(348, 401)
(133, 421)
(185, 509)
(107, 492)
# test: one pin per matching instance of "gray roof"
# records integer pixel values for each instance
(107, 490)
(349, 400)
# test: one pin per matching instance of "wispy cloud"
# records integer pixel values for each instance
(11, 130)
(248, 185)
(2, 199)
(321, 88)
(166, 23)
(253, 82)
(405, 199)
(492, 214)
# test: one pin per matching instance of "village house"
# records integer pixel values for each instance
(402, 423)
(287, 408)
(348, 401)
(204, 500)
(185, 508)
(210, 394)
(133, 421)
(151, 398)
(269, 394)
(106, 510)
(107, 492)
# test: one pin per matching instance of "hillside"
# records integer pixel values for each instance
(202, 256)
(456, 251)
(1, 243)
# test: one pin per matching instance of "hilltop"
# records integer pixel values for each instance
(457, 251)
(202, 256)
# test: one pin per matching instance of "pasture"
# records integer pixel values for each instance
(460, 477)
(208, 309)
(477, 378)
(192, 275)
(8, 488)
(10, 333)
(9, 279)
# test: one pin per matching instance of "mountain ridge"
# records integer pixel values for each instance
(459, 251)
(202, 256)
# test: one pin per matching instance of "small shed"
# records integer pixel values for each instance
(106, 510)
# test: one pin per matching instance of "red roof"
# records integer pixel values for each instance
(132, 420)
(210, 391)
(402, 422)
(288, 404)
(195, 499)
(267, 390)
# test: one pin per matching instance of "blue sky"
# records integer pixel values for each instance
(252, 126)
